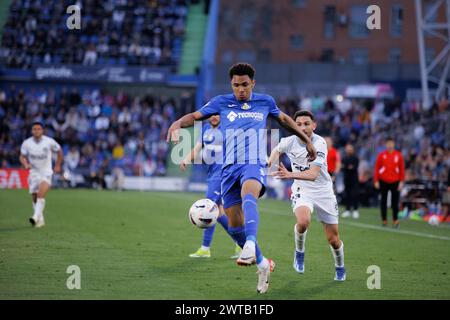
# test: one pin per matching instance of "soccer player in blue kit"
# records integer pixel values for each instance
(243, 117)
(210, 145)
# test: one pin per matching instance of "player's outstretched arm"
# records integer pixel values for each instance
(59, 159)
(310, 175)
(191, 156)
(186, 121)
(287, 122)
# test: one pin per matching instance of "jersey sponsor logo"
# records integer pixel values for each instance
(246, 106)
(38, 156)
(258, 116)
(232, 116)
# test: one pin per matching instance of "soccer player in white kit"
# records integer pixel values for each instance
(312, 190)
(36, 155)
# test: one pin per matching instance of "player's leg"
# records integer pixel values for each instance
(303, 220)
(337, 249)
(33, 183)
(384, 192)
(355, 200)
(395, 194)
(44, 187)
(251, 190)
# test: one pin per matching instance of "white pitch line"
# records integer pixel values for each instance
(413, 233)
(370, 226)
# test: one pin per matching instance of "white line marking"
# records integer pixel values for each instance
(373, 227)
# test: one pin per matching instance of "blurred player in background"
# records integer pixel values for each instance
(36, 155)
(350, 164)
(389, 175)
(210, 146)
(333, 159)
(243, 115)
(312, 189)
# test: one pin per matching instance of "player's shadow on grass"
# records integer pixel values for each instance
(296, 288)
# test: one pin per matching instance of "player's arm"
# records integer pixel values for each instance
(310, 175)
(191, 156)
(289, 124)
(186, 121)
(59, 160)
(23, 160)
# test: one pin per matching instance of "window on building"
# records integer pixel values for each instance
(359, 56)
(247, 23)
(296, 41)
(246, 55)
(358, 18)
(396, 20)
(266, 20)
(394, 55)
(329, 22)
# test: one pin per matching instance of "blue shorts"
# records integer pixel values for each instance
(234, 176)
(213, 193)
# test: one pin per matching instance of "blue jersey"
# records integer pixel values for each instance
(243, 126)
(212, 149)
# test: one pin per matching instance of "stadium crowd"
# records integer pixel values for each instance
(113, 32)
(98, 131)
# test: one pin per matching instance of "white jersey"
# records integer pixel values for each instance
(295, 149)
(39, 154)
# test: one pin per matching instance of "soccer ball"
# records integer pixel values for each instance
(204, 213)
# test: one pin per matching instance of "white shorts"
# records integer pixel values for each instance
(326, 206)
(35, 179)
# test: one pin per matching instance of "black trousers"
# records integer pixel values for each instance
(351, 195)
(395, 195)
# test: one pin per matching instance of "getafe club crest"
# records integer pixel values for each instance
(245, 106)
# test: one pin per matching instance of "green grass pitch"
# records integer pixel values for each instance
(135, 245)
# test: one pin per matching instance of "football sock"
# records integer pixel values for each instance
(251, 217)
(300, 239)
(338, 255)
(39, 208)
(223, 220)
(264, 263)
(208, 234)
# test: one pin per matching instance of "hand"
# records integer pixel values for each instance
(173, 133)
(312, 154)
(57, 169)
(183, 165)
(400, 186)
(282, 172)
(377, 185)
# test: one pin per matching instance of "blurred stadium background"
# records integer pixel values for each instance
(108, 91)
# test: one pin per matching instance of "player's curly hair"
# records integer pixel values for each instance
(242, 69)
